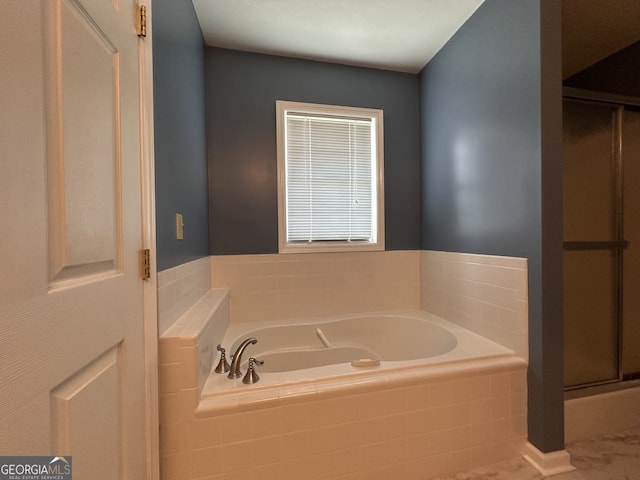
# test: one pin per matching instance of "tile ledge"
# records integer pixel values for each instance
(552, 463)
(197, 317)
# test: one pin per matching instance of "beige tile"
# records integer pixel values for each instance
(461, 414)
(169, 378)
(348, 461)
(379, 473)
(348, 435)
(236, 427)
(176, 466)
(518, 404)
(206, 461)
(267, 450)
(518, 381)
(462, 461)
(441, 464)
(343, 409)
(174, 438)
(397, 470)
(500, 430)
(189, 398)
(481, 411)
(206, 432)
(439, 418)
(309, 468)
(236, 456)
(266, 423)
(418, 469)
(396, 426)
(373, 455)
(487, 454)
(499, 384)
(418, 446)
(374, 430)
(320, 441)
(189, 367)
(396, 400)
(302, 416)
(169, 408)
(372, 404)
(267, 472)
(480, 434)
(440, 442)
(168, 350)
(500, 407)
(461, 438)
(439, 394)
(417, 422)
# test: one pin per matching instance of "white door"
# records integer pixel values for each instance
(72, 345)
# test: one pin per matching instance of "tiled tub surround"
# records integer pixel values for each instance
(188, 348)
(482, 293)
(277, 287)
(179, 288)
(416, 423)
(411, 425)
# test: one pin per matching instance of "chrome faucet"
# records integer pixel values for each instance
(237, 358)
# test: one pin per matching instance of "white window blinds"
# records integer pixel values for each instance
(330, 178)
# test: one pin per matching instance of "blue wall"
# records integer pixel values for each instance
(180, 136)
(491, 170)
(472, 155)
(242, 89)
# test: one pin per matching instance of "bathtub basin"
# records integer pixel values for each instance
(320, 350)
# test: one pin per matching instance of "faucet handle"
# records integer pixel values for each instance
(252, 376)
(223, 365)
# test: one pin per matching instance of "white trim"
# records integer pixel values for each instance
(149, 290)
(548, 464)
(606, 412)
(283, 246)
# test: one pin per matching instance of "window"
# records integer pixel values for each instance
(330, 195)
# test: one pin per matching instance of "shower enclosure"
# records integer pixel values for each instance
(601, 158)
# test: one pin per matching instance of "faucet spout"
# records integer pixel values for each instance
(235, 372)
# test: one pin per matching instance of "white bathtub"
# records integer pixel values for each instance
(442, 400)
(295, 354)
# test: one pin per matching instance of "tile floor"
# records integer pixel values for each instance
(607, 457)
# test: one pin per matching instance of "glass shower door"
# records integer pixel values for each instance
(592, 242)
(631, 255)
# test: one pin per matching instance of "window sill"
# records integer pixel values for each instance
(324, 247)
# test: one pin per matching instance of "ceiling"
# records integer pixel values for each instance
(401, 35)
(594, 29)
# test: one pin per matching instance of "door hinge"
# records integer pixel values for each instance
(145, 264)
(141, 22)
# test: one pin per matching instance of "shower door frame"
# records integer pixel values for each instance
(617, 246)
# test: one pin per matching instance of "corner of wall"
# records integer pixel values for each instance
(483, 293)
(179, 288)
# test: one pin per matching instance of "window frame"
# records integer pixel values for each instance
(376, 115)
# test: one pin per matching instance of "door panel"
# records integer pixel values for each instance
(589, 172)
(591, 327)
(71, 299)
(84, 156)
(95, 393)
(631, 258)
(592, 243)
